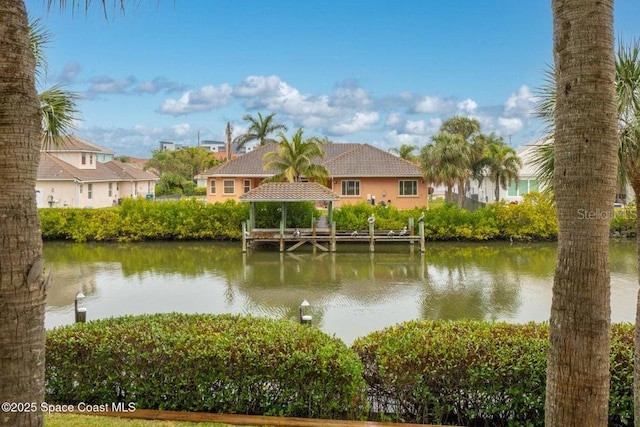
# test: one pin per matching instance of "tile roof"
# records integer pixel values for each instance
(73, 143)
(289, 192)
(341, 160)
(51, 168)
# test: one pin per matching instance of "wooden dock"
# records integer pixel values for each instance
(327, 239)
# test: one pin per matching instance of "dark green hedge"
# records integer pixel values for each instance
(475, 373)
(532, 219)
(140, 219)
(186, 219)
(225, 363)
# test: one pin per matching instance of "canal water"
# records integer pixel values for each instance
(351, 292)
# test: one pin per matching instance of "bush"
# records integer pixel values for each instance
(475, 373)
(210, 363)
(141, 219)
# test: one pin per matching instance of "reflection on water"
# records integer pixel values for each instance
(352, 292)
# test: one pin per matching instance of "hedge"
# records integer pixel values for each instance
(475, 373)
(139, 219)
(211, 363)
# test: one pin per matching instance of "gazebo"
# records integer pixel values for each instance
(287, 192)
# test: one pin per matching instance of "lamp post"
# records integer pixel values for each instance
(80, 312)
(304, 317)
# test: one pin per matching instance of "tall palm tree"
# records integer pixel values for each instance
(446, 161)
(585, 161)
(59, 105)
(294, 160)
(405, 151)
(503, 164)
(468, 129)
(22, 278)
(259, 130)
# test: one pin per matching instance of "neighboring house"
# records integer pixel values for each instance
(69, 175)
(358, 173)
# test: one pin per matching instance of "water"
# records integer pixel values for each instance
(351, 292)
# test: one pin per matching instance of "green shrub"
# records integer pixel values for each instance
(141, 219)
(475, 373)
(299, 214)
(223, 363)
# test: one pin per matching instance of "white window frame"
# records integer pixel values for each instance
(229, 186)
(402, 189)
(212, 187)
(344, 185)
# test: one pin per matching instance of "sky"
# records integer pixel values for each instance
(382, 72)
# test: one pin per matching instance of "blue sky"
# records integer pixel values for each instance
(381, 72)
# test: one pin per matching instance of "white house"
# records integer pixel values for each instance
(70, 175)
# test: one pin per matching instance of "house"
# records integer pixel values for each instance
(70, 175)
(358, 173)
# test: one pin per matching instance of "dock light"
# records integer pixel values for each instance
(304, 317)
(81, 312)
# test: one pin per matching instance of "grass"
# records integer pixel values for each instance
(72, 420)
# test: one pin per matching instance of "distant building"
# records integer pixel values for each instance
(70, 175)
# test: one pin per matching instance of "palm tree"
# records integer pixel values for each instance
(59, 108)
(503, 164)
(405, 151)
(445, 161)
(259, 130)
(294, 159)
(585, 161)
(468, 129)
(23, 281)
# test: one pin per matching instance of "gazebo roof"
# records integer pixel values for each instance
(289, 192)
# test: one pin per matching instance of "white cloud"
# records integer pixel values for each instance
(395, 120)
(350, 95)
(181, 129)
(395, 139)
(432, 105)
(204, 99)
(521, 103)
(258, 86)
(468, 106)
(509, 126)
(109, 85)
(358, 122)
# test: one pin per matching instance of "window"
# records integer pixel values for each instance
(408, 188)
(110, 189)
(247, 185)
(229, 186)
(80, 188)
(350, 188)
(90, 159)
(522, 187)
(84, 158)
(212, 188)
(117, 186)
(89, 191)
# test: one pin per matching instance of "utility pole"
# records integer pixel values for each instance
(228, 132)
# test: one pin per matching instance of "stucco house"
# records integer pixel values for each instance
(358, 172)
(70, 175)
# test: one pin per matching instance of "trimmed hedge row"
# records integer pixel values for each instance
(533, 219)
(139, 219)
(222, 363)
(475, 373)
(464, 372)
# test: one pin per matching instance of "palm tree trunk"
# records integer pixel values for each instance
(584, 182)
(497, 189)
(461, 193)
(22, 284)
(635, 183)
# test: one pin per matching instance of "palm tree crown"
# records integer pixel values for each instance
(259, 130)
(293, 161)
